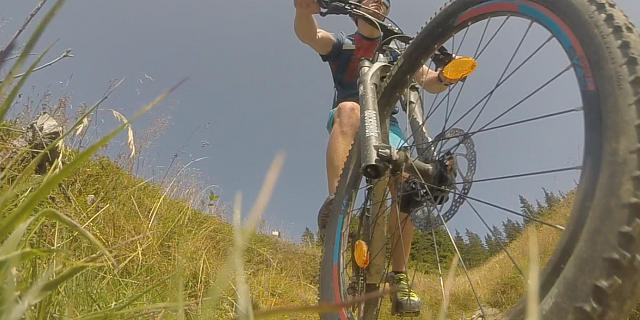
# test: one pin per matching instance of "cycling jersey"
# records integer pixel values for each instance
(344, 59)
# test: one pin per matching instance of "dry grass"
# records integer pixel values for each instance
(498, 282)
(91, 241)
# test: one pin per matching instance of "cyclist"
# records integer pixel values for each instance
(341, 51)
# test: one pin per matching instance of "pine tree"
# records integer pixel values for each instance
(493, 246)
(423, 250)
(476, 253)
(512, 230)
(461, 245)
(498, 236)
(308, 237)
(540, 207)
(528, 210)
(550, 199)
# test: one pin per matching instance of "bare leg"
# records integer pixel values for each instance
(405, 301)
(345, 127)
(401, 230)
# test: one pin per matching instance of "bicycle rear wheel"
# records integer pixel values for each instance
(599, 251)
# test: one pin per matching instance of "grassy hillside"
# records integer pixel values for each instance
(165, 259)
(164, 247)
(498, 282)
(150, 235)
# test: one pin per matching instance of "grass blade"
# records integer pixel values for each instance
(30, 298)
(104, 313)
(65, 276)
(27, 171)
(244, 297)
(35, 36)
(323, 307)
(14, 93)
(7, 278)
(5, 53)
(57, 216)
(263, 198)
(10, 245)
(26, 254)
(532, 292)
(27, 206)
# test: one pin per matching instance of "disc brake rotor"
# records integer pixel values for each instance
(423, 217)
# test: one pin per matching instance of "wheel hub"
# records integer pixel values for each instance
(430, 196)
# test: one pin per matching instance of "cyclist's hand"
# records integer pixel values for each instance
(307, 6)
(462, 70)
(445, 78)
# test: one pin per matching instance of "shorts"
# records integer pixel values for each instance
(396, 137)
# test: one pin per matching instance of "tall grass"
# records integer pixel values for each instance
(86, 240)
(22, 217)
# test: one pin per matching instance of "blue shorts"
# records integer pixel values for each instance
(396, 137)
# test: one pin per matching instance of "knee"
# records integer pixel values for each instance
(347, 116)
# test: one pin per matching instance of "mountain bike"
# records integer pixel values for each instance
(593, 272)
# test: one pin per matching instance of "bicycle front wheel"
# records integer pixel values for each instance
(593, 272)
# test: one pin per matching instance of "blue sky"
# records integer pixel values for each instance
(255, 89)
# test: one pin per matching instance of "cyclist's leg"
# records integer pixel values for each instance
(405, 300)
(342, 125)
(401, 239)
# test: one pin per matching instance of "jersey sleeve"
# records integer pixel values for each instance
(336, 49)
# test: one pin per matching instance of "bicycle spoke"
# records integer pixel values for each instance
(448, 115)
(544, 85)
(495, 237)
(490, 93)
(492, 37)
(510, 211)
(486, 26)
(529, 174)
(462, 87)
(444, 223)
(504, 80)
(466, 272)
(529, 95)
(435, 247)
(503, 73)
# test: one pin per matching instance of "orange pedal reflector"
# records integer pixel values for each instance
(362, 254)
(459, 68)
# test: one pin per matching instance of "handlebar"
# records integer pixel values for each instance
(352, 8)
(441, 57)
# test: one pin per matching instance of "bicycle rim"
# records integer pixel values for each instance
(603, 47)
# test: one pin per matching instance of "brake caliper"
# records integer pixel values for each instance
(443, 182)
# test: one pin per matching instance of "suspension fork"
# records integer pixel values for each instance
(378, 156)
(371, 123)
(412, 105)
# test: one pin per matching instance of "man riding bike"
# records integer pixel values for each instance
(341, 51)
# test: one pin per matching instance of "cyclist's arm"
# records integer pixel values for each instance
(307, 31)
(428, 79)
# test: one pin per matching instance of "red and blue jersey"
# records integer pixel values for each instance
(344, 59)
